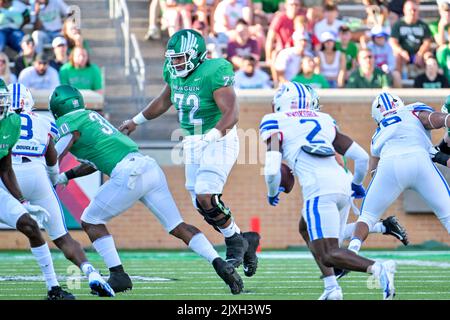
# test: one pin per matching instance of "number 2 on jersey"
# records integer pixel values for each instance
(314, 131)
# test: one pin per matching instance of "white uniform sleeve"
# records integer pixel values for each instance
(269, 126)
(361, 158)
(63, 143)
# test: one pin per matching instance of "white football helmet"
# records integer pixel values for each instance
(294, 96)
(385, 103)
(21, 98)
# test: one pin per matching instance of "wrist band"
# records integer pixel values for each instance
(429, 120)
(139, 118)
(22, 199)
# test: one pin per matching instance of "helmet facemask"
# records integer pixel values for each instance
(184, 68)
(5, 103)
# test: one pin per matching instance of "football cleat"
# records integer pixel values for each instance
(333, 293)
(386, 277)
(394, 228)
(57, 293)
(250, 257)
(237, 246)
(228, 274)
(99, 286)
(340, 273)
(120, 281)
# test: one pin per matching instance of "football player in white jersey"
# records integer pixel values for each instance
(400, 160)
(307, 140)
(36, 167)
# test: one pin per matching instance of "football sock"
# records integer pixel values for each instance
(378, 228)
(107, 250)
(330, 282)
(44, 260)
(87, 268)
(354, 245)
(230, 230)
(200, 245)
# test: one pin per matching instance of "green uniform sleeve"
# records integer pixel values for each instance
(222, 76)
(66, 125)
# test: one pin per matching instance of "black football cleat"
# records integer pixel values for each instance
(340, 273)
(394, 228)
(120, 281)
(57, 293)
(237, 245)
(250, 257)
(228, 274)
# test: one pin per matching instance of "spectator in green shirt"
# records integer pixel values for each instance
(410, 37)
(443, 59)
(439, 28)
(307, 75)
(347, 46)
(80, 73)
(368, 75)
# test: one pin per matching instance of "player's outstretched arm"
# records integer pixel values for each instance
(51, 160)
(344, 145)
(272, 167)
(154, 109)
(434, 120)
(9, 178)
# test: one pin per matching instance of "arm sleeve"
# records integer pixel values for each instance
(361, 158)
(272, 172)
(63, 143)
(268, 127)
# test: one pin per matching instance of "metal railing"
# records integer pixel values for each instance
(118, 9)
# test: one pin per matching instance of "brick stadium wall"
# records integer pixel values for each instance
(245, 191)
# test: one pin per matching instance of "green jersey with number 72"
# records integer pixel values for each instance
(193, 96)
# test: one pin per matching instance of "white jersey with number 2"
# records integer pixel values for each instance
(297, 128)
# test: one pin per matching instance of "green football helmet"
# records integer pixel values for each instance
(65, 99)
(5, 100)
(185, 51)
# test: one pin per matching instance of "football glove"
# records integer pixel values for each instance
(62, 179)
(358, 191)
(40, 214)
(273, 201)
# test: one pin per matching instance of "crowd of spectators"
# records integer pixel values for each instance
(41, 46)
(311, 41)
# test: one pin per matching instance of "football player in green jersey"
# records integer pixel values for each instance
(133, 176)
(441, 153)
(15, 211)
(202, 92)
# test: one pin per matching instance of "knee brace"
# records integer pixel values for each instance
(212, 215)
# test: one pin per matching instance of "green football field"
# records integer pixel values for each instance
(182, 275)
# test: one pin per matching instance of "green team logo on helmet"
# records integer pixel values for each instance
(65, 99)
(186, 50)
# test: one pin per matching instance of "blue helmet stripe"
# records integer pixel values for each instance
(385, 103)
(13, 96)
(18, 96)
(301, 94)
